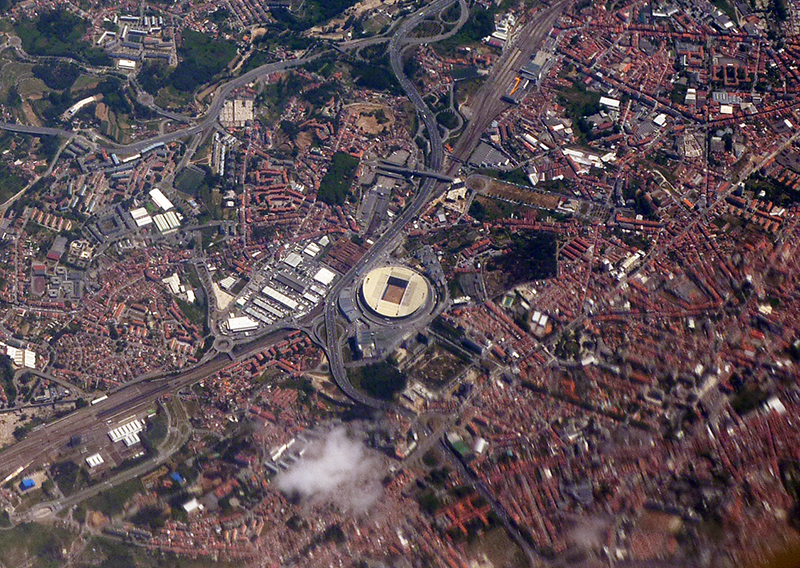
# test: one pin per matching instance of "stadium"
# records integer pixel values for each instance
(394, 291)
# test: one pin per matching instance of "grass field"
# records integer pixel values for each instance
(189, 180)
(31, 86)
(157, 429)
(11, 73)
(169, 98)
(35, 543)
(84, 82)
(112, 501)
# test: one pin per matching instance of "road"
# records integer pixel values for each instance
(36, 130)
(93, 422)
(178, 433)
(463, 16)
(332, 343)
(488, 107)
(202, 123)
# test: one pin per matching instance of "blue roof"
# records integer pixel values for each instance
(27, 483)
(176, 477)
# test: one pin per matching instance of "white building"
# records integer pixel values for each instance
(242, 323)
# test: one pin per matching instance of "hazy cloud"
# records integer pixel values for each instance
(337, 470)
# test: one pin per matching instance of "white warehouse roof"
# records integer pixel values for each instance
(160, 199)
(241, 323)
(167, 222)
(609, 102)
(324, 276)
(141, 217)
(95, 460)
(129, 433)
(293, 259)
(279, 297)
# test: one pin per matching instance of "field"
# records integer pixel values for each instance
(10, 183)
(170, 98)
(509, 192)
(336, 184)
(189, 180)
(112, 501)
(33, 542)
(498, 548)
(437, 368)
(84, 82)
(12, 72)
(31, 87)
(488, 209)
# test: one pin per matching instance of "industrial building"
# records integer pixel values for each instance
(241, 323)
(128, 433)
(289, 287)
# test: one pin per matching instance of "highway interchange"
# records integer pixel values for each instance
(331, 342)
(93, 422)
(201, 124)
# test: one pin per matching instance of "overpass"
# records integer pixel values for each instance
(35, 130)
(421, 172)
(331, 344)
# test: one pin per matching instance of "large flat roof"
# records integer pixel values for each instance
(160, 199)
(241, 323)
(394, 291)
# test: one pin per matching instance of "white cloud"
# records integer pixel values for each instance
(337, 470)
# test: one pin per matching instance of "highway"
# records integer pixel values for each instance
(488, 107)
(36, 130)
(332, 345)
(93, 422)
(201, 124)
(463, 16)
